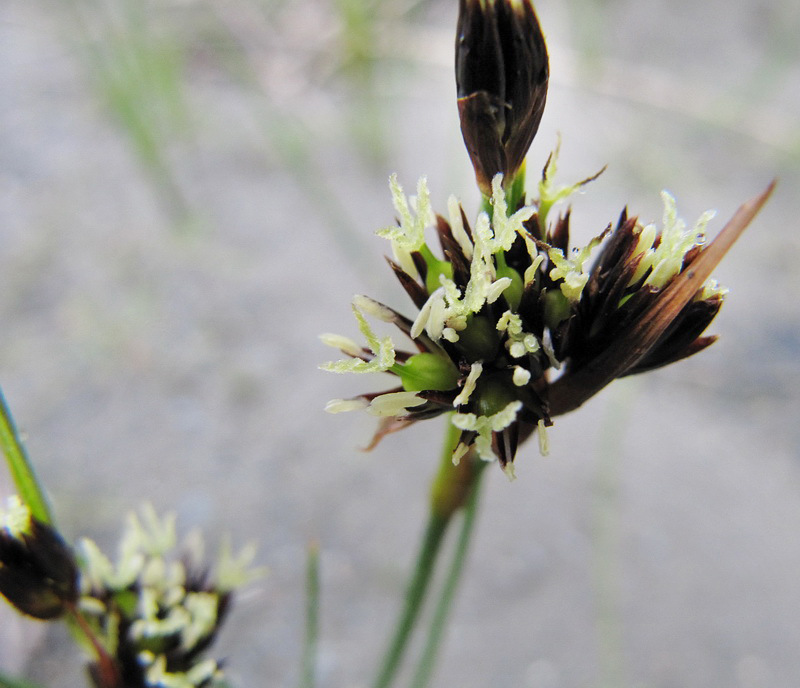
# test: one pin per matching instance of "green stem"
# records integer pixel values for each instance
(445, 501)
(308, 679)
(439, 622)
(415, 594)
(25, 480)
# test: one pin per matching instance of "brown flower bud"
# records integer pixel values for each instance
(38, 573)
(501, 77)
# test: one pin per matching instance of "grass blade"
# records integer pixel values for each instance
(25, 480)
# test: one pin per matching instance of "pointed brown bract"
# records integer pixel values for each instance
(656, 323)
(414, 289)
(501, 76)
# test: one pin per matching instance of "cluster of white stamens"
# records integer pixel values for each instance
(449, 310)
(165, 607)
(519, 342)
(15, 519)
(666, 260)
(415, 216)
(469, 384)
(485, 426)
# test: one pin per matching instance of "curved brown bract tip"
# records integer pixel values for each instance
(575, 387)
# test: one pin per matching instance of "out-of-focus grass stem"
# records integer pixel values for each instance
(22, 472)
(294, 143)
(438, 626)
(138, 74)
(309, 659)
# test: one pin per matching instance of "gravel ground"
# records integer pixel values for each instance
(164, 275)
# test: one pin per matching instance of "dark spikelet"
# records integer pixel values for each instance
(681, 339)
(443, 231)
(636, 341)
(618, 249)
(443, 398)
(467, 437)
(501, 79)
(532, 225)
(38, 571)
(465, 223)
(505, 444)
(387, 426)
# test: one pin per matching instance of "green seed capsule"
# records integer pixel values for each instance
(428, 371)
(556, 307)
(435, 271)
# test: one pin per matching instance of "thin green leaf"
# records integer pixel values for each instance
(438, 626)
(309, 679)
(25, 480)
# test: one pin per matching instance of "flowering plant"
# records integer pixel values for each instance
(513, 327)
(146, 620)
(509, 302)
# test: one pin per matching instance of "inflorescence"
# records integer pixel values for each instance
(513, 325)
(148, 618)
(508, 304)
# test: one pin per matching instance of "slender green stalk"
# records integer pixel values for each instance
(415, 594)
(25, 480)
(309, 677)
(107, 670)
(446, 491)
(438, 624)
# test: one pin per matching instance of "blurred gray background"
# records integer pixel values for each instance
(188, 195)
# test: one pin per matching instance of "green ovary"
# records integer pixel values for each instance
(556, 307)
(436, 269)
(435, 272)
(428, 371)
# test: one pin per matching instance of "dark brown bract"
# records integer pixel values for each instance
(501, 76)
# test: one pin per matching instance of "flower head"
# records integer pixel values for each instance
(156, 611)
(510, 302)
(501, 76)
(38, 573)
(507, 301)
